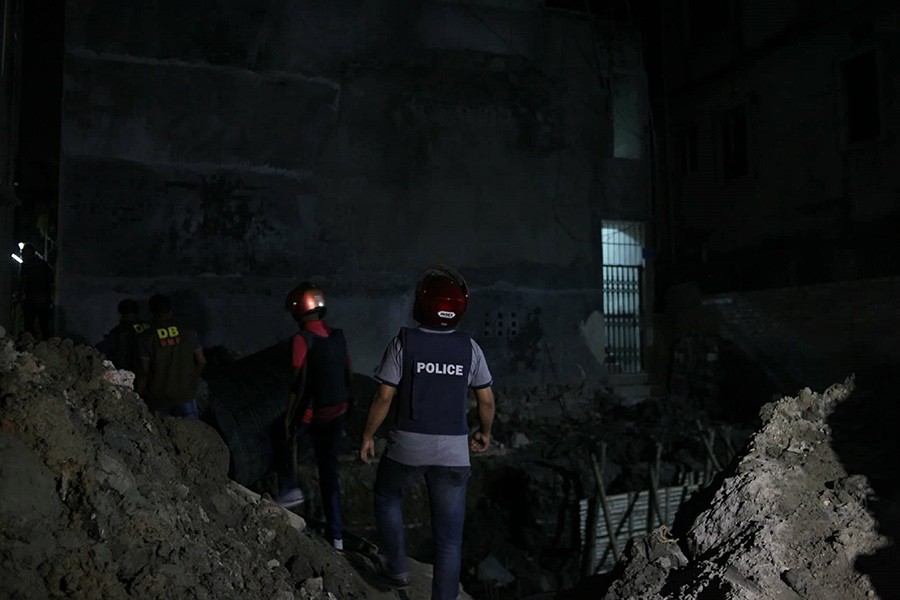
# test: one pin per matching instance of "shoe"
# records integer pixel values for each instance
(291, 499)
(398, 582)
(338, 544)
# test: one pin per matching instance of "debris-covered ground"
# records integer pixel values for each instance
(808, 511)
(99, 499)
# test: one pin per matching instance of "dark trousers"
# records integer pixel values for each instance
(37, 317)
(189, 410)
(447, 495)
(325, 437)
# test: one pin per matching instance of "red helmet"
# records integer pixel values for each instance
(441, 297)
(305, 299)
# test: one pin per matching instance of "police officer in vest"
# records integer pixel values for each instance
(317, 404)
(429, 370)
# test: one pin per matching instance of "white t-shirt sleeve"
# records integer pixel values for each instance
(479, 374)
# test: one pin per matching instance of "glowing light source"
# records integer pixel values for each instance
(16, 257)
(21, 245)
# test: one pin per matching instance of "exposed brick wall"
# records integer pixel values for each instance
(801, 336)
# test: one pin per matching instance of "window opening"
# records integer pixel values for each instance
(623, 262)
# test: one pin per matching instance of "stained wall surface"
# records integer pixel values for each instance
(220, 152)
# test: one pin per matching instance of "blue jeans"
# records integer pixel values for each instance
(188, 410)
(326, 444)
(447, 496)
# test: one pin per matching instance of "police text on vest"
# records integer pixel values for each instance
(439, 368)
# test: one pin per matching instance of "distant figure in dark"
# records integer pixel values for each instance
(122, 344)
(318, 401)
(35, 292)
(171, 363)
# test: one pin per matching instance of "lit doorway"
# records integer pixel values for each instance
(623, 269)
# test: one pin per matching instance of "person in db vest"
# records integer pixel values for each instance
(318, 401)
(122, 344)
(171, 363)
(428, 371)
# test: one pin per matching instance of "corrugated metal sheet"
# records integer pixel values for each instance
(629, 515)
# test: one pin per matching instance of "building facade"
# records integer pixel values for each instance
(781, 121)
(780, 205)
(222, 151)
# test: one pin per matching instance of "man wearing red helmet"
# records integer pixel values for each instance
(430, 370)
(317, 404)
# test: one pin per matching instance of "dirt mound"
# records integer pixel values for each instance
(99, 499)
(785, 521)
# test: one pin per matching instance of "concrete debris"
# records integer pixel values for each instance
(787, 521)
(101, 500)
(491, 570)
(519, 440)
(525, 499)
(118, 376)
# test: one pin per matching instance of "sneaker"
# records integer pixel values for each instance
(291, 499)
(338, 544)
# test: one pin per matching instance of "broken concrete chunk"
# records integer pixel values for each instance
(491, 570)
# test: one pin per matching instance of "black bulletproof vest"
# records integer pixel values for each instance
(435, 383)
(326, 369)
(127, 350)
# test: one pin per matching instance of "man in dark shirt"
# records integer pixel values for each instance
(35, 292)
(122, 344)
(171, 363)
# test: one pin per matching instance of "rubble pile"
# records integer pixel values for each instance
(99, 499)
(527, 496)
(566, 423)
(787, 520)
(526, 493)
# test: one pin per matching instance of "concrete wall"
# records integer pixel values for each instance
(8, 268)
(10, 79)
(222, 151)
(812, 206)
